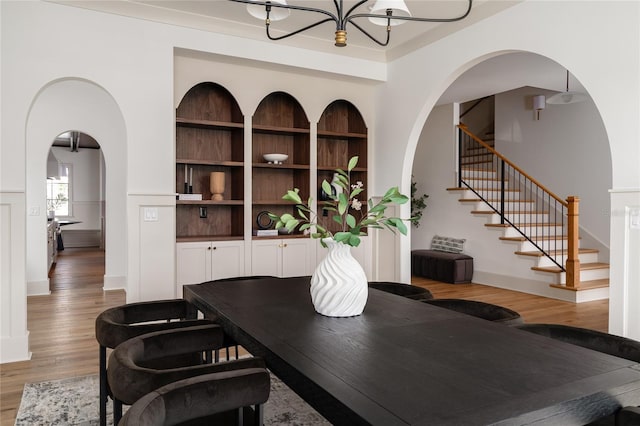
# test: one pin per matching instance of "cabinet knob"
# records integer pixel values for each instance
(209, 248)
(285, 244)
(215, 248)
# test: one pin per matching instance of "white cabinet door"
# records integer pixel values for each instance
(227, 259)
(266, 257)
(296, 257)
(193, 263)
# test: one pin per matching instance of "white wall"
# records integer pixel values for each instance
(566, 138)
(85, 185)
(417, 80)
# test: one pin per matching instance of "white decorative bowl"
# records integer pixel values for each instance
(275, 158)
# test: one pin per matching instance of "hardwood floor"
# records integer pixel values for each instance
(62, 336)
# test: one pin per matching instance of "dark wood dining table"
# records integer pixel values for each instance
(403, 362)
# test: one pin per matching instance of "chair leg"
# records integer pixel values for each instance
(117, 411)
(259, 414)
(103, 386)
(240, 416)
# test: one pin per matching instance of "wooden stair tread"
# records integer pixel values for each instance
(584, 285)
(506, 225)
(583, 267)
(475, 200)
(461, 188)
(560, 237)
(509, 212)
(538, 253)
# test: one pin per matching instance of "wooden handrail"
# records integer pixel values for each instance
(506, 160)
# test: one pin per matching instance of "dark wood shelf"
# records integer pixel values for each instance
(208, 124)
(193, 161)
(211, 202)
(205, 238)
(342, 166)
(281, 166)
(273, 203)
(327, 134)
(280, 237)
(278, 130)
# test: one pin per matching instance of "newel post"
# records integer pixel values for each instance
(573, 261)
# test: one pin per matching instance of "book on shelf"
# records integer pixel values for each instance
(266, 232)
(190, 197)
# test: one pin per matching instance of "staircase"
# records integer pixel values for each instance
(543, 227)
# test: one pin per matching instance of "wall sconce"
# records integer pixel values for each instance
(538, 105)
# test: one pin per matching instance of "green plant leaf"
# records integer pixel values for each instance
(337, 219)
(354, 241)
(342, 236)
(351, 221)
(343, 203)
(326, 187)
(293, 195)
(353, 162)
(356, 191)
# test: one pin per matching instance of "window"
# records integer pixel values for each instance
(59, 192)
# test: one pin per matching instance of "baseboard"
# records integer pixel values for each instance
(14, 349)
(114, 283)
(38, 288)
(538, 288)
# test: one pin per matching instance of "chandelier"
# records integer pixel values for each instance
(383, 12)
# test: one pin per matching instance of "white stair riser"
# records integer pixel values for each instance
(587, 275)
(544, 244)
(483, 174)
(521, 218)
(535, 231)
(484, 183)
(513, 206)
(492, 195)
(583, 257)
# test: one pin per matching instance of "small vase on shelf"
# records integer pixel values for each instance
(216, 185)
(339, 285)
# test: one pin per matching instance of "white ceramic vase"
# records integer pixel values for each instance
(339, 285)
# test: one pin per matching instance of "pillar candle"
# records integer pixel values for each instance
(191, 176)
(185, 174)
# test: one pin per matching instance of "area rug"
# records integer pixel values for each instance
(74, 401)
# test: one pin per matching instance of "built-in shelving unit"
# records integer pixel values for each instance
(342, 134)
(280, 126)
(209, 138)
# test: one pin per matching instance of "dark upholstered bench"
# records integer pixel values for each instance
(443, 266)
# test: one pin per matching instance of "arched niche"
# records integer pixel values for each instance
(209, 139)
(342, 134)
(280, 126)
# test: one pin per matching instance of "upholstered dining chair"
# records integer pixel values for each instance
(209, 398)
(628, 416)
(405, 290)
(118, 324)
(487, 311)
(132, 371)
(611, 344)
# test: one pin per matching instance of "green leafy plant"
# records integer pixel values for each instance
(347, 208)
(417, 204)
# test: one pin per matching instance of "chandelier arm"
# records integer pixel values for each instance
(290, 6)
(297, 31)
(410, 18)
(346, 15)
(363, 31)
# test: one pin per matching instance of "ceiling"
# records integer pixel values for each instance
(231, 18)
(496, 75)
